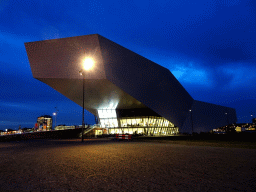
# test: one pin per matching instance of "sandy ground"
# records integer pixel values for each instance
(104, 165)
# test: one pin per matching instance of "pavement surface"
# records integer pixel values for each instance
(106, 165)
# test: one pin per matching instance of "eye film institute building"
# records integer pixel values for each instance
(127, 92)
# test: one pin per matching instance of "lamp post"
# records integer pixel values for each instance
(227, 128)
(87, 65)
(192, 126)
(227, 118)
(55, 114)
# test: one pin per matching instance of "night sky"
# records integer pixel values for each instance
(209, 45)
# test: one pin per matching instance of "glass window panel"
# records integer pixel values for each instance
(107, 113)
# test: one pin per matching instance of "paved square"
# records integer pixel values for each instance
(104, 165)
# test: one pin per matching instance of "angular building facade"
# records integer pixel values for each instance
(127, 92)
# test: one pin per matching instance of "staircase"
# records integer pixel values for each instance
(88, 129)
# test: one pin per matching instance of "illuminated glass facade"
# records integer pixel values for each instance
(108, 118)
(135, 121)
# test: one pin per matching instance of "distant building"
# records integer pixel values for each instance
(26, 130)
(64, 127)
(44, 123)
(238, 127)
(9, 132)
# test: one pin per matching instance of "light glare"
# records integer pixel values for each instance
(88, 63)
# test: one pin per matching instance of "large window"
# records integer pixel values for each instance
(146, 125)
(151, 121)
(107, 118)
(106, 113)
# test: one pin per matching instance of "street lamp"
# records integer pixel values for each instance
(55, 114)
(192, 127)
(227, 127)
(87, 65)
(227, 118)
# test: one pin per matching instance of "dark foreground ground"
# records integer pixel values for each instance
(105, 165)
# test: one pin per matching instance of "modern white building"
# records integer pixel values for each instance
(127, 92)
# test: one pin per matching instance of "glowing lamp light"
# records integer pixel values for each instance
(88, 64)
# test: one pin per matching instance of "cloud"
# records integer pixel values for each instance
(223, 84)
(243, 76)
(228, 49)
(192, 75)
(25, 105)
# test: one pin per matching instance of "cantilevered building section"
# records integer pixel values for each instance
(126, 91)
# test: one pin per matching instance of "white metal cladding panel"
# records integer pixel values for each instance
(207, 116)
(99, 93)
(148, 82)
(62, 58)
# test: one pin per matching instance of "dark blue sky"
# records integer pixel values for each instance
(209, 45)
